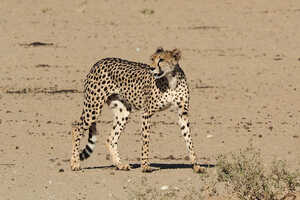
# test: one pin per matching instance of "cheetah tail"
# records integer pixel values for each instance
(89, 148)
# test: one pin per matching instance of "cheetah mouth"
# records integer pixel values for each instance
(157, 72)
(159, 75)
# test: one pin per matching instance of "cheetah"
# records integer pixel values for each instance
(125, 86)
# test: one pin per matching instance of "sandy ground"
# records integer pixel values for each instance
(242, 59)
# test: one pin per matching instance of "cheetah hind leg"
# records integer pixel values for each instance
(76, 136)
(121, 113)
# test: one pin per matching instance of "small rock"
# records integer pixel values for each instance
(176, 188)
(164, 187)
(137, 49)
(171, 157)
(61, 170)
(147, 11)
(209, 136)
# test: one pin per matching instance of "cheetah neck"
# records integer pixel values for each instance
(172, 79)
(175, 77)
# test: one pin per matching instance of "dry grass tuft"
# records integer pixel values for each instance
(245, 175)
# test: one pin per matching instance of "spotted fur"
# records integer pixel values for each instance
(124, 86)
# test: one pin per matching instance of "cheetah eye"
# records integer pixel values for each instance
(160, 60)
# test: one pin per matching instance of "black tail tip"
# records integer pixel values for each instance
(84, 155)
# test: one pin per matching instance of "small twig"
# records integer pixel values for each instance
(22, 91)
(205, 27)
(7, 164)
(42, 65)
(63, 91)
(204, 87)
(45, 91)
(36, 44)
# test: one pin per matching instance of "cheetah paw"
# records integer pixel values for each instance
(75, 168)
(75, 165)
(198, 169)
(125, 167)
(148, 169)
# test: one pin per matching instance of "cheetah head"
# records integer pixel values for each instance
(164, 62)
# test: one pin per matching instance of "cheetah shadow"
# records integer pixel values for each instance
(163, 166)
(159, 166)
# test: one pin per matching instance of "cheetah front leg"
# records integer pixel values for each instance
(186, 133)
(145, 143)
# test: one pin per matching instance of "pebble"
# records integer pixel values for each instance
(176, 188)
(164, 187)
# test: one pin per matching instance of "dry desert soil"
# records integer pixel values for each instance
(242, 60)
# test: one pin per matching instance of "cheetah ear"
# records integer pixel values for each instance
(176, 53)
(159, 50)
(152, 57)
